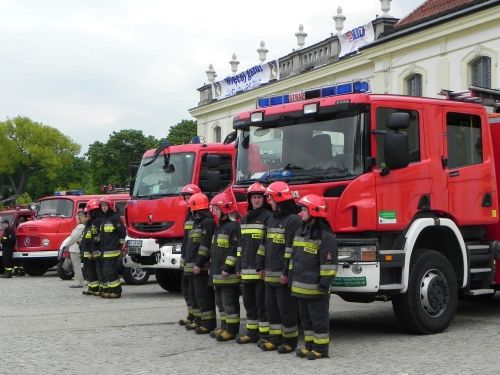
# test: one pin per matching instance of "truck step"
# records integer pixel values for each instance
(480, 270)
(477, 292)
(391, 287)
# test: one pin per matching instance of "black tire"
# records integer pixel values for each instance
(431, 300)
(35, 267)
(169, 280)
(135, 275)
(64, 274)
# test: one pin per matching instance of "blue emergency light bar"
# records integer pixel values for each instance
(355, 87)
(69, 192)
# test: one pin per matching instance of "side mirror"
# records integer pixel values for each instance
(213, 161)
(133, 168)
(396, 150)
(230, 138)
(131, 187)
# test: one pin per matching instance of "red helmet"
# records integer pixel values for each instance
(256, 188)
(92, 204)
(198, 201)
(279, 191)
(226, 204)
(315, 205)
(190, 189)
(106, 200)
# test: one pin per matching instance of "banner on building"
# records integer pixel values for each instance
(246, 80)
(356, 38)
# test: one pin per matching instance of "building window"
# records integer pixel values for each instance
(481, 72)
(217, 134)
(414, 83)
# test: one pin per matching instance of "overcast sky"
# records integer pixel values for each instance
(91, 67)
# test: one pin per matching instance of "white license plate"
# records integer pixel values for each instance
(134, 243)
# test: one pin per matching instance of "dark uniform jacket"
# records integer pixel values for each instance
(274, 257)
(188, 225)
(111, 233)
(314, 262)
(253, 229)
(223, 253)
(198, 241)
(8, 239)
(88, 246)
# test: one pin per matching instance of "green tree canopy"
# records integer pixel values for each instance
(28, 147)
(182, 133)
(109, 162)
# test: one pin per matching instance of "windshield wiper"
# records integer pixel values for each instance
(155, 196)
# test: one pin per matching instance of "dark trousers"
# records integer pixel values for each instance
(90, 265)
(188, 294)
(227, 299)
(100, 274)
(7, 260)
(315, 319)
(254, 293)
(110, 274)
(195, 308)
(204, 295)
(282, 312)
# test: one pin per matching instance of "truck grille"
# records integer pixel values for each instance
(28, 241)
(154, 226)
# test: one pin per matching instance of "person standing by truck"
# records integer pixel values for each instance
(8, 243)
(223, 265)
(72, 243)
(273, 260)
(186, 282)
(313, 266)
(197, 261)
(253, 226)
(88, 247)
(111, 238)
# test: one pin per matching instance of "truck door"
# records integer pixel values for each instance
(471, 188)
(225, 167)
(402, 192)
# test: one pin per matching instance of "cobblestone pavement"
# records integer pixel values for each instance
(48, 328)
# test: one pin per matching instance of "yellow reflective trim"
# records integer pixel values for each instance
(250, 276)
(230, 262)
(111, 254)
(252, 326)
(311, 292)
(291, 334)
(232, 320)
(252, 231)
(327, 272)
(108, 228)
(275, 331)
(288, 255)
(222, 242)
(261, 252)
(309, 338)
(272, 279)
(114, 284)
(322, 341)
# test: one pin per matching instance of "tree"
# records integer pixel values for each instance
(182, 133)
(109, 162)
(28, 147)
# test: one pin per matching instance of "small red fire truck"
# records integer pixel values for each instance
(156, 211)
(410, 184)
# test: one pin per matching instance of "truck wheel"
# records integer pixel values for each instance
(63, 271)
(431, 300)
(169, 280)
(135, 275)
(35, 268)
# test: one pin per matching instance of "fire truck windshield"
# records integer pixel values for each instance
(158, 180)
(305, 152)
(55, 207)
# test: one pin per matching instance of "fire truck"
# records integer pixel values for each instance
(156, 211)
(410, 184)
(38, 240)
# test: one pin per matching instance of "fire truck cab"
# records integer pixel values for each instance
(410, 184)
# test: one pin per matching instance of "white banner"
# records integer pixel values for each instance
(356, 38)
(246, 80)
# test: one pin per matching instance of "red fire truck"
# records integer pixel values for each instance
(156, 211)
(38, 241)
(410, 184)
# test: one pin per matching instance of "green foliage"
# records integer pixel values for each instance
(109, 162)
(28, 148)
(182, 133)
(24, 199)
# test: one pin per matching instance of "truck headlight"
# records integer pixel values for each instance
(45, 242)
(358, 253)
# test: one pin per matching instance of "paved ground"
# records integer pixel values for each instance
(48, 328)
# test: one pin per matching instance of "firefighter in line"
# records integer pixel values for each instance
(273, 261)
(186, 280)
(253, 226)
(8, 243)
(111, 239)
(197, 262)
(313, 266)
(89, 248)
(223, 265)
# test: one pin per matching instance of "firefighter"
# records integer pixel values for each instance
(253, 226)
(223, 265)
(8, 243)
(197, 261)
(111, 238)
(273, 260)
(188, 293)
(89, 249)
(313, 265)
